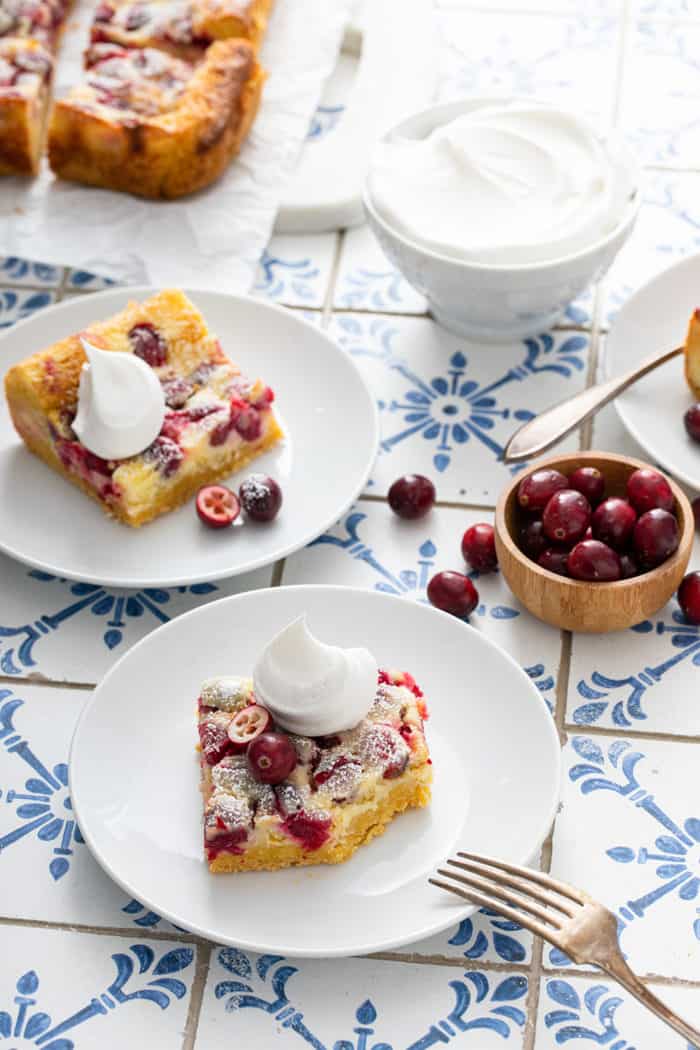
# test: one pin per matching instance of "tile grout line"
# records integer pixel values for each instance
(203, 964)
(637, 734)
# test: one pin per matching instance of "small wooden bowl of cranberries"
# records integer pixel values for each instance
(593, 541)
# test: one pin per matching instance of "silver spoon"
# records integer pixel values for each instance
(547, 429)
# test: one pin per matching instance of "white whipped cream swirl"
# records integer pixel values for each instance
(506, 183)
(314, 689)
(121, 405)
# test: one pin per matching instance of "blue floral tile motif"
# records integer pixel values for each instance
(281, 279)
(626, 699)
(492, 934)
(153, 983)
(366, 288)
(82, 280)
(672, 854)
(42, 805)
(480, 1001)
(325, 119)
(450, 409)
(16, 305)
(17, 643)
(590, 1017)
(22, 271)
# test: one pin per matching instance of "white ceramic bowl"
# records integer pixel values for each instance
(493, 302)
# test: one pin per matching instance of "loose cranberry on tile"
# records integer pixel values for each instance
(411, 496)
(479, 548)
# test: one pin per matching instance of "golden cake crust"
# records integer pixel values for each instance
(23, 107)
(169, 154)
(692, 355)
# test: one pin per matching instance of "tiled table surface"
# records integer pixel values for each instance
(83, 965)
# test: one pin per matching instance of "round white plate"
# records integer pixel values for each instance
(328, 415)
(134, 775)
(654, 319)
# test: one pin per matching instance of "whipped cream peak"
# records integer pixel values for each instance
(121, 406)
(314, 689)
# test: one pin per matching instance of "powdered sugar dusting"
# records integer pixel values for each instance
(227, 692)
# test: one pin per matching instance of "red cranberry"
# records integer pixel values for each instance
(453, 593)
(649, 490)
(595, 561)
(589, 482)
(271, 758)
(696, 512)
(554, 559)
(261, 497)
(219, 434)
(148, 344)
(536, 490)
(248, 724)
(588, 534)
(566, 517)
(689, 597)
(217, 506)
(103, 13)
(532, 539)
(411, 496)
(692, 422)
(311, 831)
(628, 566)
(214, 742)
(249, 424)
(613, 522)
(479, 548)
(177, 391)
(656, 537)
(166, 454)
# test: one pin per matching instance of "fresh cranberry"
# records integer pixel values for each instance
(689, 597)
(554, 559)
(248, 724)
(148, 344)
(692, 422)
(217, 506)
(532, 539)
(536, 490)
(649, 490)
(230, 842)
(411, 496)
(696, 512)
(589, 482)
(453, 593)
(613, 522)
(166, 454)
(220, 433)
(261, 497)
(214, 742)
(628, 566)
(311, 831)
(656, 537)
(249, 424)
(594, 561)
(566, 516)
(588, 534)
(479, 548)
(271, 758)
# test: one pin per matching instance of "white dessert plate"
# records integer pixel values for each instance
(330, 423)
(134, 775)
(656, 318)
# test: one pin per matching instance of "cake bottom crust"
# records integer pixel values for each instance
(411, 791)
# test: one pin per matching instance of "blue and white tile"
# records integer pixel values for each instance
(26, 272)
(295, 269)
(484, 938)
(336, 92)
(447, 407)
(667, 8)
(353, 1004)
(629, 833)
(63, 990)
(84, 281)
(594, 1012)
(570, 61)
(660, 95)
(555, 7)
(73, 632)
(43, 856)
(668, 229)
(18, 303)
(371, 547)
(368, 281)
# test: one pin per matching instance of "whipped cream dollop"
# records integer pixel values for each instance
(314, 689)
(121, 406)
(504, 184)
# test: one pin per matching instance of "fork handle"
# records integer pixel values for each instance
(616, 966)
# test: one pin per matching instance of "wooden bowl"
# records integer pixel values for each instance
(577, 605)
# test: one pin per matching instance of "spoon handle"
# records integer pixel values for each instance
(545, 430)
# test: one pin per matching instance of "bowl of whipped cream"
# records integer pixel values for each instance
(501, 211)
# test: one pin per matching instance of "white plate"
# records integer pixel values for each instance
(654, 319)
(327, 412)
(134, 775)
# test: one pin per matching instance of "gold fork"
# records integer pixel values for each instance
(566, 917)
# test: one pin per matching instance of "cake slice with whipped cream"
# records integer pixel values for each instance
(310, 758)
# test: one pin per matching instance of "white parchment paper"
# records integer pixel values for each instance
(214, 238)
